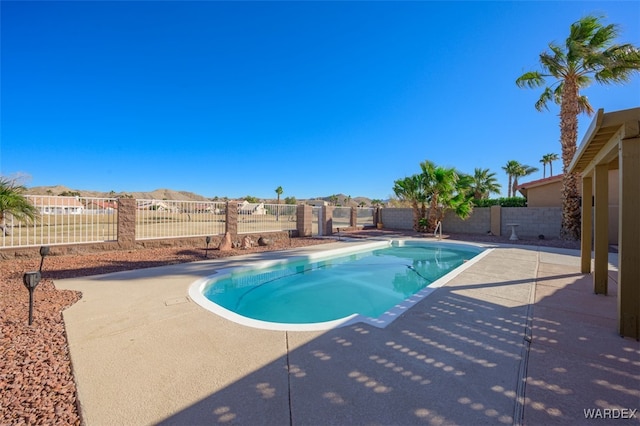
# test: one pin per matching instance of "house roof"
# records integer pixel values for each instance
(541, 182)
(523, 187)
(598, 145)
(53, 200)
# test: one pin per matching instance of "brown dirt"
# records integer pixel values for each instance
(36, 379)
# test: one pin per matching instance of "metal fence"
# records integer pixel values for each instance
(62, 220)
(364, 216)
(173, 219)
(341, 217)
(260, 217)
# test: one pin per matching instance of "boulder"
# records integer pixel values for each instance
(225, 243)
(264, 241)
(247, 242)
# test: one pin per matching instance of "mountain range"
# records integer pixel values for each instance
(168, 194)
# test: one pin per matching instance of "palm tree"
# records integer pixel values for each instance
(279, 192)
(521, 171)
(548, 159)
(484, 183)
(13, 202)
(445, 188)
(511, 168)
(589, 54)
(411, 189)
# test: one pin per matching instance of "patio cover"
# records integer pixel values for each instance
(612, 142)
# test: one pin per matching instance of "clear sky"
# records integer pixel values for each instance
(238, 98)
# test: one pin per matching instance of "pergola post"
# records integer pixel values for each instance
(613, 142)
(586, 222)
(629, 239)
(601, 241)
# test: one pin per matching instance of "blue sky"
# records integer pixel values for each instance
(238, 98)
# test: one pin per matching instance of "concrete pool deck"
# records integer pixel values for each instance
(518, 337)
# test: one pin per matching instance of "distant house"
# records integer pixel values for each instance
(101, 206)
(155, 205)
(545, 192)
(49, 205)
(251, 208)
(317, 203)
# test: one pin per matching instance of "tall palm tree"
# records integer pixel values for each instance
(589, 54)
(552, 158)
(279, 192)
(548, 159)
(521, 171)
(13, 202)
(511, 168)
(484, 183)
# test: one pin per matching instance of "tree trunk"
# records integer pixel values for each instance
(569, 111)
(416, 216)
(433, 214)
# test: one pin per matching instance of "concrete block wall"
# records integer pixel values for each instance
(397, 218)
(478, 223)
(532, 221)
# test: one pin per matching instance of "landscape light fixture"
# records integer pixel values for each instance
(31, 280)
(207, 240)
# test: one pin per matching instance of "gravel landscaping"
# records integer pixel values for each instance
(35, 370)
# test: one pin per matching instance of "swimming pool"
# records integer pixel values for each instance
(371, 283)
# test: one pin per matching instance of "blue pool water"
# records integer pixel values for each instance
(315, 291)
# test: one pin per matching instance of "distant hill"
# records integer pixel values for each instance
(158, 194)
(170, 194)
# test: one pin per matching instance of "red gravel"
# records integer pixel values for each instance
(36, 380)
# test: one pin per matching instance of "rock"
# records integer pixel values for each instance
(225, 243)
(247, 242)
(264, 241)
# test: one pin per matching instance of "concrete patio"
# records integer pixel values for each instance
(518, 337)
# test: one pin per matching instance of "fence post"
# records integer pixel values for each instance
(327, 217)
(304, 222)
(496, 221)
(353, 220)
(231, 222)
(127, 222)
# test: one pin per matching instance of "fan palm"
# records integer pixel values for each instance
(13, 202)
(484, 183)
(445, 189)
(411, 189)
(521, 171)
(511, 168)
(548, 159)
(279, 192)
(589, 54)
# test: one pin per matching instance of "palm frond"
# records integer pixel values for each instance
(530, 79)
(545, 97)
